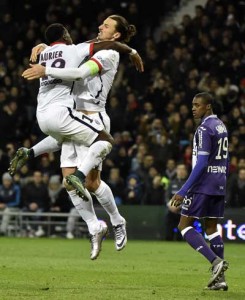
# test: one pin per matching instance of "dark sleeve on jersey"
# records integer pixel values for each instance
(201, 165)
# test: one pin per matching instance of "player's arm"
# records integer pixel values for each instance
(90, 68)
(36, 51)
(196, 173)
(101, 45)
(121, 48)
(103, 60)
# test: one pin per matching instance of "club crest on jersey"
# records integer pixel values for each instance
(221, 128)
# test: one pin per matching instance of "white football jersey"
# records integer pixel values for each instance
(92, 94)
(58, 91)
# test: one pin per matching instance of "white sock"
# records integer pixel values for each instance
(86, 211)
(96, 154)
(49, 144)
(106, 199)
(213, 235)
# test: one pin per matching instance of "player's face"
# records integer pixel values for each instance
(107, 30)
(199, 108)
(67, 37)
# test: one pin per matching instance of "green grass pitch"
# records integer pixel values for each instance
(61, 269)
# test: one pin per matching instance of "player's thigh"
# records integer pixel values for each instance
(216, 206)
(83, 128)
(203, 206)
(51, 121)
(195, 205)
(68, 157)
(105, 120)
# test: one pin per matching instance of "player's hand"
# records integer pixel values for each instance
(176, 200)
(36, 51)
(35, 72)
(137, 61)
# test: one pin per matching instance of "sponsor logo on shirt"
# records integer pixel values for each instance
(200, 138)
(216, 169)
(52, 81)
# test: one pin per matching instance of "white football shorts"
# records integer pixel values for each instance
(73, 153)
(64, 123)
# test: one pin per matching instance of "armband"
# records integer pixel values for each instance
(93, 67)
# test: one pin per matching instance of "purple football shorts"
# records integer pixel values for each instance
(203, 206)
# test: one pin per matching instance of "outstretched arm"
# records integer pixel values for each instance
(90, 68)
(101, 45)
(121, 48)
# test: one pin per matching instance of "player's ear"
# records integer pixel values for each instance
(208, 106)
(65, 37)
(116, 35)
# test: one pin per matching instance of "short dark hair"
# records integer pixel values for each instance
(206, 97)
(54, 32)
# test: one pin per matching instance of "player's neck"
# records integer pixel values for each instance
(56, 43)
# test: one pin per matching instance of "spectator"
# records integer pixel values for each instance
(173, 216)
(170, 171)
(9, 201)
(133, 191)
(59, 199)
(36, 200)
(71, 223)
(236, 190)
(156, 195)
(116, 183)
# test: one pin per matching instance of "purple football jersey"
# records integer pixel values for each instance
(211, 138)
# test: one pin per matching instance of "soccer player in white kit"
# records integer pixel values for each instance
(54, 113)
(90, 98)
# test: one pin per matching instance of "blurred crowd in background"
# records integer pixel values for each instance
(151, 119)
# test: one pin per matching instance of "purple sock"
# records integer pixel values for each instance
(217, 245)
(197, 242)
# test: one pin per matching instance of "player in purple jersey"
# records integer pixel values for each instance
(203, 194)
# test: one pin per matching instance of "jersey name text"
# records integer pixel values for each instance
(50, 55)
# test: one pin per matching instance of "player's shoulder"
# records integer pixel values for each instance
(80, 45)
(203, 128)
(107, 54)
(213, 125)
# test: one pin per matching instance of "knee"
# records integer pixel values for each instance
(105, 136)
(210, 231)
(92, 185)
(180, 227)
(111, 140)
